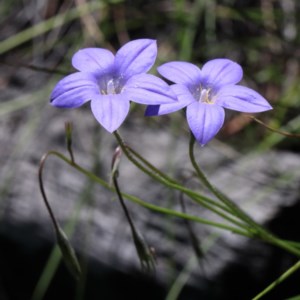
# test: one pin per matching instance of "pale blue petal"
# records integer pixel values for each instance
(136, 57)
(205, 120)
(74, 90)
(242, 99)
(110, 110)
(93, 60)
(149, 89)
(184, 98)
(180, 72)
(219, 72)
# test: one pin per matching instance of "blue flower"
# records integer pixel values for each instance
(205, 93)
(110, 82)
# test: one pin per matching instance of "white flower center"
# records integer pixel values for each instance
(203, 95)
(110, 85)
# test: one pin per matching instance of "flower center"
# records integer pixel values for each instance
(110, 85)
(203, 95)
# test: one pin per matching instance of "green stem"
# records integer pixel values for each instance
(144, 253)
(162, 210)
(230, 204)
(164, 179)
(147, 163)
(279, 280)
(65, 246)
(150, 206)
(261, 232)
(233, 208)
(42, 189)
(192, 194)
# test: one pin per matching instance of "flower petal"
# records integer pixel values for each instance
(242, 99)
(184, 98)
(136, 57)
(94, 60)
(110, 110)
(205, 120)
(149, 89)
(219, 72)
(74, 90)
(153, 110)
(180, 72)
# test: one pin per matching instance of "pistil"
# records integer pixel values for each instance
(205, 96)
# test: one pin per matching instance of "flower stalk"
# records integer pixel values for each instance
(163, 179)
(156, 208)
(68, 131)
(63, 242)
(259, 231)
(143, 250)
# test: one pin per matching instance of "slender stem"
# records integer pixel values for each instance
(202, 200)
(233, 207)
(42, 189)
(279, 280)
(66, 249)
(150, 206)
(142, 249)
(285, 133)
(154, 173)
(280, 243)
(261, 232)
(192, 194)
(292, 243)
(149, 165)
(124, 207)
(68, 130)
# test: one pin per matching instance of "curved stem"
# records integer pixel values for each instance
(150, 206)
(192, 194)
(284, 133)
(230, 204)
(162, 178)
(280, 243)
(42, 189)
(261, 232)
(66, 249)
(147, 163)
(144, 253)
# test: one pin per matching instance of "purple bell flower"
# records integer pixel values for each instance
(205, 93)
(110, 82)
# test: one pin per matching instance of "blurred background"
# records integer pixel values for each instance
(37, 41)
(262, 36)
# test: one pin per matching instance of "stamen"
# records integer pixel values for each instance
(110, 87)
(204, 96)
